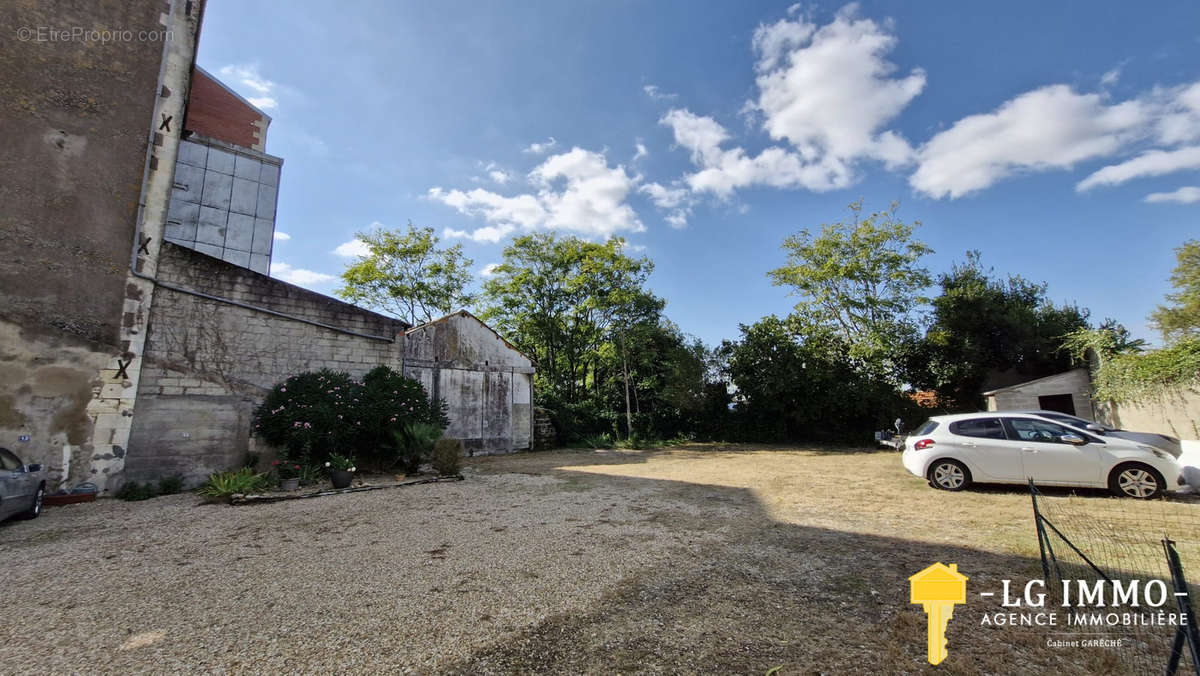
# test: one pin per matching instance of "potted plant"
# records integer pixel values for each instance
(288, 473)
(341, 470)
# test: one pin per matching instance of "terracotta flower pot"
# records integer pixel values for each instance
(341, 478)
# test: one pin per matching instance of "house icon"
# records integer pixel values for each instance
(939, 583)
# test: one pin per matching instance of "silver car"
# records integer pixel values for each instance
(1160, 441)
(21, 487)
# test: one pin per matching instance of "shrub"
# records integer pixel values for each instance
(447, 456)
(285, 469)
(311, 415)
(413, 443)
(170, 485)
(222, 486)
(133, 491)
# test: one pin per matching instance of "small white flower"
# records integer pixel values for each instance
(327, 464)
(353, 469)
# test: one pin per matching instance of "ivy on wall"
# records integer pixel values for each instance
(1140, 375)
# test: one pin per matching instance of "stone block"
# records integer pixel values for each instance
(236, 257)
(217, 190)
(266, 201)
(189, 183)
(192, 153)
(246, 167)
(239, 232)
(264, 233)
(220, 160)
(269, 174)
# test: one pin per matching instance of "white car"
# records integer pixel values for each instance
(954, 451)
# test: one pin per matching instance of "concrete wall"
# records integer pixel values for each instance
(1024, 397)
(209, 363)
(86, 125)
(486, 383)
(1175, 413)
(223, 202)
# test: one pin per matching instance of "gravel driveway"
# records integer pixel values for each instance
(696, 559)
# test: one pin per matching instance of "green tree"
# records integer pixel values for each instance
(860, 278)
(1180, 318)
(561, 300)
(983, 327)
(794, 384)
(408, 275)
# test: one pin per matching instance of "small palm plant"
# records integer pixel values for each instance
(414, 442)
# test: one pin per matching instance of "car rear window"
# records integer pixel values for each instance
(986, 428)
(926, 427)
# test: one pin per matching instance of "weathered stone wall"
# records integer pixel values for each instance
(209, 363)
(486, 383)
(82, 122)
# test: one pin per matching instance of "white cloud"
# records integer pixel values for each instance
(491, 234)
(576, 192)
(541, 148)
(352, 249)
(723, 171)
(299, 276)
(1180, 120)
(828, 91)
(1111, 77)
(488, 270)
(1048, 128)
(654, 92)
(281, 236)
(676, 201)
(1149, 163)
(1186, 195)
(248, 77)
(499, 176)
(640, 151)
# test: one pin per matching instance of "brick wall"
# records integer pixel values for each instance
(209, 363)
(215, 111)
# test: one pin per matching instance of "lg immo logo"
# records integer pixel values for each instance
(938, 589)
(1097, 603)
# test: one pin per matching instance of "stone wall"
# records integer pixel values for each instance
(89, 131)
(209, 363)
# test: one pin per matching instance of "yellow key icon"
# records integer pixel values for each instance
(938, 588)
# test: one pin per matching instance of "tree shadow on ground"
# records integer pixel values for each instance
(750, 593)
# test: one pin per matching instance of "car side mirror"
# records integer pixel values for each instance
(33, 468)
(1093, 427)
(1073, 439)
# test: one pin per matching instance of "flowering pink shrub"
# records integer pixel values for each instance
(313, 414)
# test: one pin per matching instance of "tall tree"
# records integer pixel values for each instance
(860, 278)
(562, 299)
(1180, 318)
(408, 274)
(983, 328)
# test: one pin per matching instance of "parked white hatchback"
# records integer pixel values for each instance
(954, 451)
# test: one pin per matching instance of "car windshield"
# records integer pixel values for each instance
(1073, 421)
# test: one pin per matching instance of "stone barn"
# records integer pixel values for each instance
(486, 382)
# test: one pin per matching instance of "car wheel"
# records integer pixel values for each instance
(36, 508)
(949, 475)
(1135, 480)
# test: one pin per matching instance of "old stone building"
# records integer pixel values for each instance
(138, 328)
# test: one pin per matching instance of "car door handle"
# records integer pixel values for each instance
(1027, 449)
(969, 444)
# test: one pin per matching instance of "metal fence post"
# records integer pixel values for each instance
(1187, 631)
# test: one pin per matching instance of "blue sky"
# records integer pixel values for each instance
(1060, 139)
